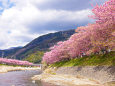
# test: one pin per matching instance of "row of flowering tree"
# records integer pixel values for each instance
(93, 38)
(15, 62)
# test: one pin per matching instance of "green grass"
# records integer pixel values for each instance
(93, 60)
(12, 65)
(1, 64)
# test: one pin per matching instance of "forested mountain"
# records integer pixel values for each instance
(41, 43)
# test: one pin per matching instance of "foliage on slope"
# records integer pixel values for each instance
(35, 57)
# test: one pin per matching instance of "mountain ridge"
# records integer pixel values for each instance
(41, 43)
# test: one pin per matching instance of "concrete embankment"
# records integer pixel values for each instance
(4, 69)
(102, 74)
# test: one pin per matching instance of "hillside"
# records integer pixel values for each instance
(41, 43)
(9, 52)
(35, 57)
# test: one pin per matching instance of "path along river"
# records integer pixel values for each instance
(21, 78)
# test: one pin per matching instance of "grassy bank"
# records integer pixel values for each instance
(93, 60)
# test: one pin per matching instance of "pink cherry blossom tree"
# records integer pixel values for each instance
(89, 39)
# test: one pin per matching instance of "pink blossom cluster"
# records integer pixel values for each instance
(14, 62)
(89, 39)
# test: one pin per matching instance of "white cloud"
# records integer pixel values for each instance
(14, 21)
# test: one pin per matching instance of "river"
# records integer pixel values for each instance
(21, 78)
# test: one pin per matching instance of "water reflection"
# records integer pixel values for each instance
(21, 78)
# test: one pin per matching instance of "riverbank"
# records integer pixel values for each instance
(65, 80)
(94, 70)
(4, 69)
(79, 76)
(102, 74)
(50, 76)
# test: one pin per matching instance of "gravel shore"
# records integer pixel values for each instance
(79, 76)
(64, 80)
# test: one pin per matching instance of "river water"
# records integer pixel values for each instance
(21, 78)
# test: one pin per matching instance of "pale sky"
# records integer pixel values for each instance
(23, 20)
